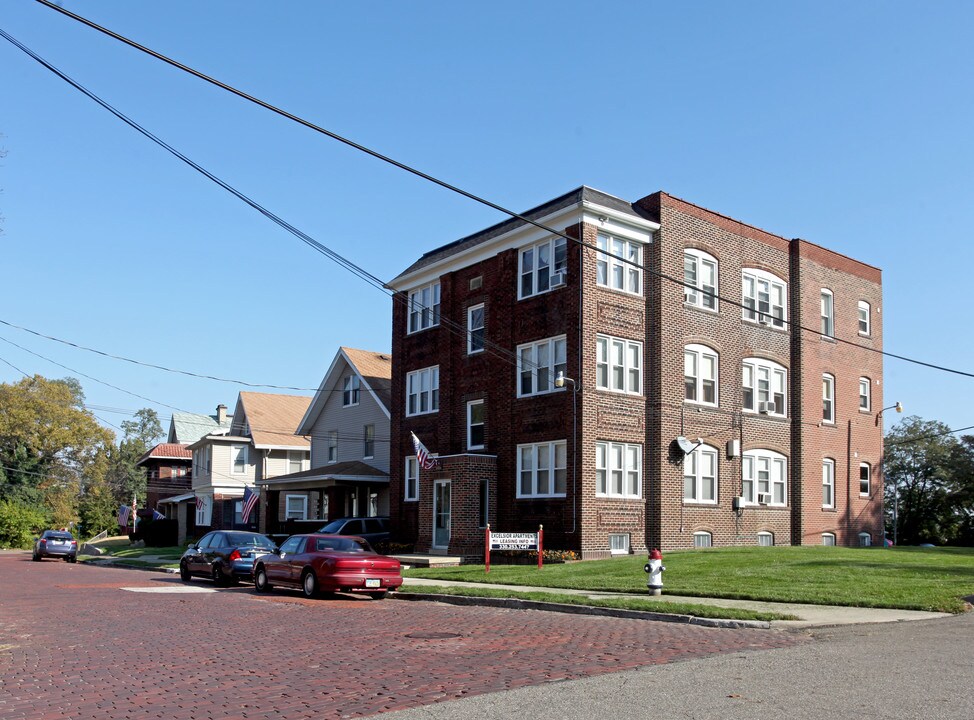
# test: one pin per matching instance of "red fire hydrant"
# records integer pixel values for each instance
(655, 569)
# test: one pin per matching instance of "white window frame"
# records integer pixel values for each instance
(423, 309)
(471, 424)
(828, 539)
(351, 390)
(703, 539)
(234, 454)
(303, 503)
(765, 535)
(368, 442)
(619, 543)
(828, 483)
(613, 375)
(694, 469)
(541, 373)
(865, 318)
(828, 398)
(758, 368)
(697, 266)
(410, 483)
(765, 471)
(332, 451)
(612, 269)
(618, 470)
(423, 385)
(694, 357)
(868, 479)
(536, 279)
(550, 458)
(827, 313)
(865, 539)
(475, 331)
(291, 456)
(865, 394)
(765, 298)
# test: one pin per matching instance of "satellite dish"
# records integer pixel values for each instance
(686, 446)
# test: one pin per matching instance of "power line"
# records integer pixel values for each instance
(402, 166)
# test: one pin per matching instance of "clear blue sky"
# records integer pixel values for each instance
(847, 124)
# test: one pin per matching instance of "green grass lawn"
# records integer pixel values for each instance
(934, 579)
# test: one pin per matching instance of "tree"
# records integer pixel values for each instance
(49, 443)
(961, 498)
(125, 478)
(97, 509)
(918, 468)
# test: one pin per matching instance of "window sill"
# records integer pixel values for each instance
(828, 338)
(619, 291)
(701, 503)
(410, 333)
(629, 498)
(755, 323)
(829, 509)
(701, 308)
(696, 405)
(421, 414)
(540, 497)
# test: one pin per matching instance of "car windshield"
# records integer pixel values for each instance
(248, 539)
(333, 527)
(342, 545)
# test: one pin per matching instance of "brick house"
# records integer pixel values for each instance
(169, 472)
(722, 387)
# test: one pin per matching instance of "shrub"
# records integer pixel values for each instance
(20, 524)
(157, 533)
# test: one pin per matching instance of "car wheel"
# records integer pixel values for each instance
(184, 574)
(71, 558)
(378, 595)
(219, 576)
(309, 584)
(36, 557)
(260, 580)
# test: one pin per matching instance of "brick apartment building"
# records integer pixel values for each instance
(722, 386)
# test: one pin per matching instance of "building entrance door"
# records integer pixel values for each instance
(441, 513)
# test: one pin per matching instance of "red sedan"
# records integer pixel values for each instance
(329, 563)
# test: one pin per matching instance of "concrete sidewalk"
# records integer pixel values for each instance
(811, 615)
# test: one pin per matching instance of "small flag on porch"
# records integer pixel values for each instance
(422, 454)
(249, 503)
(124, 513)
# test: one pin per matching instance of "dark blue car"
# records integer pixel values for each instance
(225, 556)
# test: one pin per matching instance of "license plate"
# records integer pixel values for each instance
(373, 583)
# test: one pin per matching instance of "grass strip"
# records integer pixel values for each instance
(620, 603)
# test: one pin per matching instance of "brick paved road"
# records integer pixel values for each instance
(75, 644)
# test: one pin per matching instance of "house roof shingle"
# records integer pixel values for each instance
(274, 418)
(376, 369)
(166, 451)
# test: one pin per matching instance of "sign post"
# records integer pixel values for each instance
(513, 541)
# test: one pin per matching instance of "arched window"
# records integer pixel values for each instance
(765, 477)
(828, 483)
(828, 539)
(700, 276)
(765, 539)
(700, 475)
(700, 372)
(865, 394)
(865, 539)
(765, 383)
(764, 297)
(703, 539)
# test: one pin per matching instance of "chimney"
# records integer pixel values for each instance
(221, 414)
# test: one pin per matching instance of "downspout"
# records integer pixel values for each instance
(578, 375)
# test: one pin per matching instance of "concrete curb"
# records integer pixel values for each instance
(517, 604)
(109, 562)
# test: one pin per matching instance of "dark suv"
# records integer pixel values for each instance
(373, 529)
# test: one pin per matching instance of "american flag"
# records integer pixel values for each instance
(200, 503)
(422, 454)
(124, 513)
(249, 503)
(156, 515)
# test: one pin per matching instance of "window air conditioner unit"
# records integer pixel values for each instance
(764, 498)
(764, 319)
(558, 280)
(766, 407)
(688, 297)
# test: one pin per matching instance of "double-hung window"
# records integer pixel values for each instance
(864, 318)
(332, 446)
(828, 483)
(295, 507)
(764, 387)
(828, 398)
(700, 475)
(543, 267)
(542, 469)
(295, 461)
(700, 374)
(475, 425)
(619, 264)
(765, 477)
(865, 472)
(238, 458)
(368, 441)
(351, 389)
(700, 276)
(538, 364)
(618, 364)
(828, 313)
(865, 393)
(424, 307)
(475, 329)
(423, 391)
(618, 470)
(411, 480)
(764, 298)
